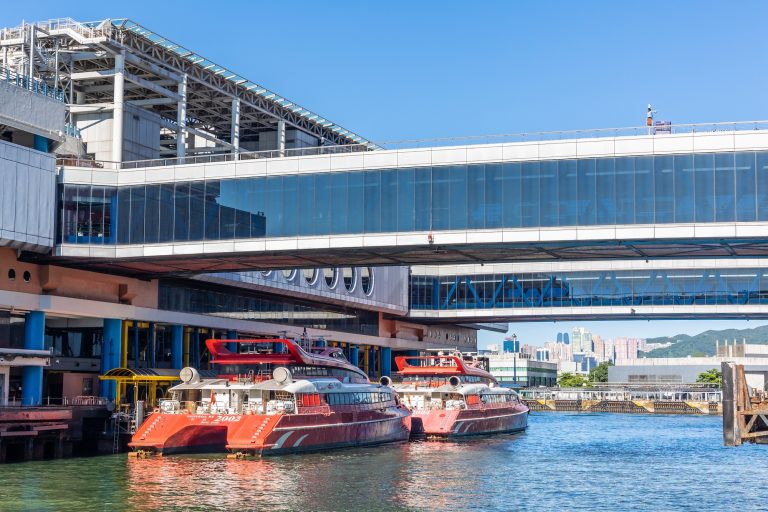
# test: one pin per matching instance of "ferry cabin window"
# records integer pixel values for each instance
(357, 398)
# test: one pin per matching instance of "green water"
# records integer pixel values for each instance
(563, 462)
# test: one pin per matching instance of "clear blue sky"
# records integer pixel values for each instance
(404, 69)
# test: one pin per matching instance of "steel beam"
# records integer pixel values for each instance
(181, 119)
(117, 116)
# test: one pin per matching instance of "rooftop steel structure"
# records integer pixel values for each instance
(113, 65)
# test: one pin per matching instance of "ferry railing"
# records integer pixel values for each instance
(693, 129)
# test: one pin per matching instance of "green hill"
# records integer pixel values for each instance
(704, 343)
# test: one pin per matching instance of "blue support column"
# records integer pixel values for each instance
(152, 344)
(32, 376)
(354, 355)
(371, 362)
(110, 354)
(41, 143)
(232, 335)
(177, 346)
(386, 361)
(135, 344)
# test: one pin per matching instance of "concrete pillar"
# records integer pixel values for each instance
(119, 104)
(32, 376)
(354, 355)
(386, 361)
(177, 346)
(41, 143)
(181, 120)
(281, 137)
(110, 354)
(235, 130)
(232, 335)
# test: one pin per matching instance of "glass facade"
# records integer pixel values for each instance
(227, 302)
(595, 288)
(715, 187)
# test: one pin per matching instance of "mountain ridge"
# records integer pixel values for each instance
(703, 343)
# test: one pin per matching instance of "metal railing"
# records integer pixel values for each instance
(694, 129)
(49, 401)
(37, 86)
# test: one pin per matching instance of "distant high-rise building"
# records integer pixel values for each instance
(542, 354)
(626, 349)
(581, 340)
(565, 338)
(598, 347)
(559, 337)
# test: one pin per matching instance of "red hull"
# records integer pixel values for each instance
(270, 434)
(315, 432)
(439, 423)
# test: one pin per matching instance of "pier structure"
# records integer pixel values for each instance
(745, 406)
(628, 398)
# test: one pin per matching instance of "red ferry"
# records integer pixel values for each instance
(273, 397)
(450, 397)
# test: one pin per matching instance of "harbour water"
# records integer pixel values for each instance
(565, 461)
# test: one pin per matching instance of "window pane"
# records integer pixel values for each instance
(493, 195)
(746, 187)
(566, 190)
(529, 200)
(625, 190)
(274, 206)
(123, 213)
(212, 209)
(725, 188)
(355, 203)
(684, 188)
(306, 205)
(152, 214)
(510, 180)
(441, 198)
(457, 210)
(762, 186)
(389, 201)
(644, 191)
(406, 200)
(290, 216)
(704, 181)
(181, 218)
(548, 194)
(166, 212)
(137, 215)
(606, 191)
(322, 204)
(372, 201)
(476, 196)
(339, 217)
(256, 204)
(665, 187)
(586, 192)
(196, 210)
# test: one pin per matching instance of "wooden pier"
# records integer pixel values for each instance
(745, 408)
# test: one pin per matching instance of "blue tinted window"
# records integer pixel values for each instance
(166, 213)
(406, 200)
(548, 196)
(624, 173)
(493, 195)
(746, 187)
(290, 215)
(152, 214)
(762, 186)
(605, 191)
(423, 187)
(441, 198)
(645, 206)
(529, 200)
(355, 202)
(725, 188)
(123, 214)
(511, 189)
(663, 171)
(212, 210)
(567, 193)
(274, 206)
(684, 188)
(306, 205)
(476, 196)
(339, 216)
(704, 182)
(138, 206)
(388, 201)
(372, 201)
(322, 213)
(458, 204)
(586, 192)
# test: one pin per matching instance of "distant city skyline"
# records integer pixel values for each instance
(538, 333)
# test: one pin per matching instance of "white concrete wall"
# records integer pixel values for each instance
(141, 134)
(27, 198)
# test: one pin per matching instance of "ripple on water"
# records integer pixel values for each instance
(564, 461)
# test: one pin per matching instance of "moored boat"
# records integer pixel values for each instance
(273, 397)
(450, 397)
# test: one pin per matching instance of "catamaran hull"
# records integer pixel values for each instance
(448, 424)
(309, 433)
(166, 434)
